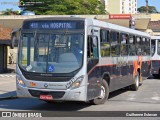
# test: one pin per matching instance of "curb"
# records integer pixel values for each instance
(8, 98)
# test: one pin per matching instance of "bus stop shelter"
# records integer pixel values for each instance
(5, 41)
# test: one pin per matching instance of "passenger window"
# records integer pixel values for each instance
(158, 50)
(138, 45)
(124, 44)
(114, 37)
(131, 45)
(148, 46)
(104, 36)
(143, 46)
(153, 47)
(115, 45)
(105, 44)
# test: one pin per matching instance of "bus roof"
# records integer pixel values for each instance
(55, 18)
(119, 28)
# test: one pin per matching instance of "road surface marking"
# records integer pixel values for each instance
(2, 75)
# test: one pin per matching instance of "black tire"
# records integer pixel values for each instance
(104, 96)
(136, 84)
(156, 76)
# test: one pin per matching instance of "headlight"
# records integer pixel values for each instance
(77, 82)
(19, 80)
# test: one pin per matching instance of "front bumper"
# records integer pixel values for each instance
(78, 94)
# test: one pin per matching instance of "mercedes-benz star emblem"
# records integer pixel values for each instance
(45, 85)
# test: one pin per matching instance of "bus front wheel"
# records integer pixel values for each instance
(103, 95)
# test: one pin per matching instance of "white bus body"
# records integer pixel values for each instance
(47, 68)
(155, 50)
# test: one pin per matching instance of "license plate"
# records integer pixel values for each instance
(46, 97)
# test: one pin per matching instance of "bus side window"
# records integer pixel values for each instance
(158, 47)
(92, 48)
(105, 44)
(143, 46)
(124, 44)
(115, 45)
(148, 46)
(131, 45)
(153, 46)
(138, 45)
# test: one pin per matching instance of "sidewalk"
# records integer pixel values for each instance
(8, 82)
(11, 70)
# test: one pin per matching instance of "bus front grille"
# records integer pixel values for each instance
(55, 94)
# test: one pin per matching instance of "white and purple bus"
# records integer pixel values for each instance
(79, 59)
(155, 50)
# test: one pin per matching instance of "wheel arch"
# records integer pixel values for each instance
(139, 71)
(106, 77)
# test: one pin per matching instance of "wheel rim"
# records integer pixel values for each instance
(102, 95)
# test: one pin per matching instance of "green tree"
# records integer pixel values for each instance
(10, 12)
(66, 7)
(151, 9)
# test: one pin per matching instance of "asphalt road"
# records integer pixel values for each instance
(147, 98)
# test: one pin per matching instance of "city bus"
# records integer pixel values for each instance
(155, 59)
(79, 59)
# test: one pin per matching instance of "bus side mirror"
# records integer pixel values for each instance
(14, 36)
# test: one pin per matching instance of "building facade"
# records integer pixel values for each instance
(154, 28)
(121, 6)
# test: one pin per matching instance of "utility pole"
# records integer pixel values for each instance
(147, 7)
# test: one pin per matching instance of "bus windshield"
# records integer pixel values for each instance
(51, 53)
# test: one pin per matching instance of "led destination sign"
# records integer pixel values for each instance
(54, 25)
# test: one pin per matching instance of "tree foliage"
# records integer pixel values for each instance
(66, 7)
(10, 12)
(151, 9)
